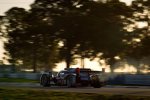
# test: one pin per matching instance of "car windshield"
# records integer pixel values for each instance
(62, 73)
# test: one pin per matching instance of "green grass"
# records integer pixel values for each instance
(32, 94)
(21, 80)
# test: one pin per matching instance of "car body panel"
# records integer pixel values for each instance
(84, 77)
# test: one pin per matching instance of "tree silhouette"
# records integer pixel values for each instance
(85, 27)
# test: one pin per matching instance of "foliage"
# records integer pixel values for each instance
(84, 33)
(86, 28)
(138, 38)
(28, 39)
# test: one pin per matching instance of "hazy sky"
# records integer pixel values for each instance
(7, 4)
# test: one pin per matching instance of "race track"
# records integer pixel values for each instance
(112, 90)
(117, 90)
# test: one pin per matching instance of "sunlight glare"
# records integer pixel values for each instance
(128, 2)
(126, 69)
(1, 50)
(141, 24)
(94, 65)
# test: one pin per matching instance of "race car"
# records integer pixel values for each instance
(72, 77)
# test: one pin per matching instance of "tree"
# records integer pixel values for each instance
(14, 29)
(27, 35)
(85, 27)
(103, 28)
(81, 27)
(138, 37)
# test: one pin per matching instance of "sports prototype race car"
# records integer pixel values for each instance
(72, 77)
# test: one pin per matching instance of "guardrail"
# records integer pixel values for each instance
(34, 76)
(124, 79)
(130, 79)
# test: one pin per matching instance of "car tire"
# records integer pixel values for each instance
(45, 80)
(71, 81)
(95, 82)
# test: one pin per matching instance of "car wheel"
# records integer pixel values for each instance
(95, 82)
(71, 81)
(97, 85)
(44, 80)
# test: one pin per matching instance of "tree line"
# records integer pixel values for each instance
(52, 31)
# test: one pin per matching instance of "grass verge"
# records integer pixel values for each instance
(20, 80)
(31, 94)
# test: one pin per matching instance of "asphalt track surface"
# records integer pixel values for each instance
(108, 89)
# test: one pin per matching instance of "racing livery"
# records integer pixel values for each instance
(72, 77)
